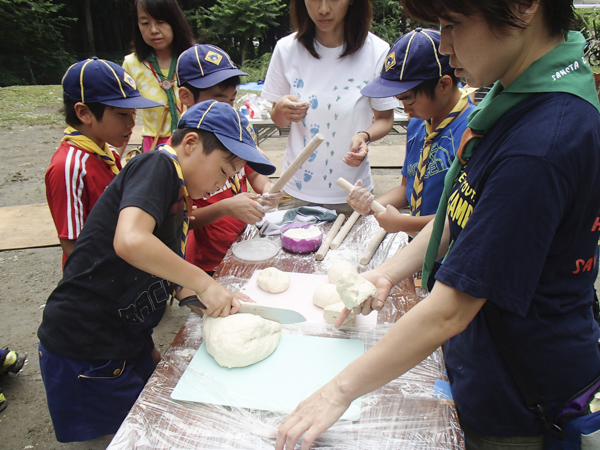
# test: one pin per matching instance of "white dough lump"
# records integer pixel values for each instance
(240, 340)
(354, 290)
(326, 295)
(273, 280)
(332, 312)
(337, 268)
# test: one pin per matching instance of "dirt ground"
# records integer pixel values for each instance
(29, 277)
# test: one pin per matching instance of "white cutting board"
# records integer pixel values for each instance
(298, 367)
(298, 297)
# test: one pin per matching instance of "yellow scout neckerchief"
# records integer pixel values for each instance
(84, 142)
(417, 194)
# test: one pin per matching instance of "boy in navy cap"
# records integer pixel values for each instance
(95, 338)
(205, 72)
(421, 78)
(100, 101)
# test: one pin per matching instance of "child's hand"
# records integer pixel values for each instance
(360, 199)
(244, 207)
(219, 301)
(269, 201)
(392, 220)
(358, 150)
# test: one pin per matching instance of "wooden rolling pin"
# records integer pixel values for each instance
(300, 159)
(324, 248)
(370, 250)
(345, 230)
(347, 186)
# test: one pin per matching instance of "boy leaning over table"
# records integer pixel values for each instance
(95, 338)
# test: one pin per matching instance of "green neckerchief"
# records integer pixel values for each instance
(170, 92)
(563, 69)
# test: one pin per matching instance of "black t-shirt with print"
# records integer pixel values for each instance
(104, 308)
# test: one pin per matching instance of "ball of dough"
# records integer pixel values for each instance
(354, 290)
(337, 268)
(326, 295)
(273, 280)
(332, 312)
(240, 340)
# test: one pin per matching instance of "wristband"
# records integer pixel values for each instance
(368, 136)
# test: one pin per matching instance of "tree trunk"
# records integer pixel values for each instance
(89, 27)
(244, 48)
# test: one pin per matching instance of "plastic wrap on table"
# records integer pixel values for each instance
(403, 414)
(407, 413)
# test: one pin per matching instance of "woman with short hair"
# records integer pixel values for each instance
(520, 215)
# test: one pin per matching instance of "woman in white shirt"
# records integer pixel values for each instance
(314, 81)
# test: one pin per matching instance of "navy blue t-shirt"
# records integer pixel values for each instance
(524, 216)
(104, 308)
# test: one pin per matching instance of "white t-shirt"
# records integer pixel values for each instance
(338, 111)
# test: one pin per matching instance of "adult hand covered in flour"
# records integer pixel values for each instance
(292, 108)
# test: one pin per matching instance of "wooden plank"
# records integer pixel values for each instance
(386, 156)
(27, 226)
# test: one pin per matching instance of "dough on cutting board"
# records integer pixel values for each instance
(273, 280)
(326, 295)
(337, 268)
(354, 289)
(240, 340)
(332, 312)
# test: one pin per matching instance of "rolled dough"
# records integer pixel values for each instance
(240, 340)
(332, 312)
(326, 295)
(337, 268)
(354, 290)
(273, 280)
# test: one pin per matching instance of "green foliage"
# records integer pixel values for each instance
(236, 23)
(31, 105)
(31, 32)
(256, 68)
(588, 22)
(390, 22)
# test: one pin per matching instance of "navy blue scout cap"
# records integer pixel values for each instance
(95, 80)
(231, 128)
(204, 66)
(414, 58)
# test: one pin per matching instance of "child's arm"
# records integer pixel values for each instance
(262, 184)
(393, 221)
(67, 245)
(135, 243)
(241, 206)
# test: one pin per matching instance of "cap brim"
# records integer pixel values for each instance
(255, 159)
(380, 87)
(131, 102)
(214, 78)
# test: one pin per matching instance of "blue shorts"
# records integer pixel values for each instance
(91, 398)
